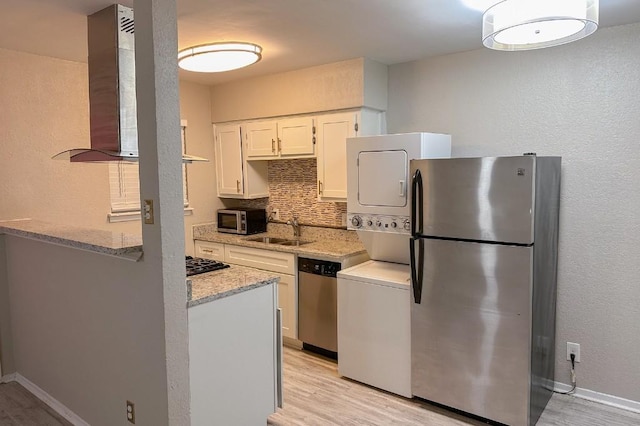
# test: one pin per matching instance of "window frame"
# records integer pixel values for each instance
(124, 186)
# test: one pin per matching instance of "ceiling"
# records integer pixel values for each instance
(293, 33)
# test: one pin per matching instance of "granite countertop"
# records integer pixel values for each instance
(105, 242)
(215, 285)
(326, 244)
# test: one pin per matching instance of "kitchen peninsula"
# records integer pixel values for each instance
(105, 242)
(74, 305)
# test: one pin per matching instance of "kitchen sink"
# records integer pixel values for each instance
(294, 243)
(279, 241)
(268, 240)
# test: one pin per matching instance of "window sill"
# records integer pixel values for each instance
(135, 215)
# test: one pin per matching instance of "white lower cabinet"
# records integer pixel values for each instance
(234, 353)
(207, 250)
(283, 264)
(287, 302)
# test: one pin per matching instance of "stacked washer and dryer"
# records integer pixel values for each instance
(374, 304)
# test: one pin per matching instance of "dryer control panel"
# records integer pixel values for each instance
(381, 223)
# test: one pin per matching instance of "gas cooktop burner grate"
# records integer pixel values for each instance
(198, 265)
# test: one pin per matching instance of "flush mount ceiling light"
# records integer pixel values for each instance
(219, 57)
(534, 24)
(481, 5)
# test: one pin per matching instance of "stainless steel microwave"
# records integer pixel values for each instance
(242, 221)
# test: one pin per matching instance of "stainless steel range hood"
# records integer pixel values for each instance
(112, 89)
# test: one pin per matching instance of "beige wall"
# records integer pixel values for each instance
(195, 107)
(582, 102)
(339, 85)
(44, 110)
(88, 329)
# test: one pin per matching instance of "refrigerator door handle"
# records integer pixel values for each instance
(417, 271)
(417, 208)
(279, 386)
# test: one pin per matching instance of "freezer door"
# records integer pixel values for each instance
(470, 336)
(487, 199)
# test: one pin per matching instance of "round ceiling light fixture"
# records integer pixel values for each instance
(481, 5)
(219, 57)
(535, 24)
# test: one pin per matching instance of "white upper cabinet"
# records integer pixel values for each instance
(236, 177)
(332, 133)
(241, 149)
(285, 138)
(261, 138)
(228, 148)
(295, 137)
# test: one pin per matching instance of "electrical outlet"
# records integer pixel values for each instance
(275, 214)
(131, 412)
(573, 348)
(147, 213)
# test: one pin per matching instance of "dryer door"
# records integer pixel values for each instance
(382, 178)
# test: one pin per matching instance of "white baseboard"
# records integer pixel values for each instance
(57, 406)
(602, 398)
(8, 378)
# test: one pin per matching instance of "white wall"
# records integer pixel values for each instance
(45, 110)
(582, 102)
(340, 85)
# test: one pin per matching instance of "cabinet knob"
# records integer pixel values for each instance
(238, 186)
(273, 145)
(320, 187)
(279, 144)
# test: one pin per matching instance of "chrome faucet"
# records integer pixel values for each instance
(295, 225)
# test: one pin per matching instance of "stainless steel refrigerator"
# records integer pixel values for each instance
(483, 265)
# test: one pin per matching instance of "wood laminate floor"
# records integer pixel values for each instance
(19, 407)
(315, 394)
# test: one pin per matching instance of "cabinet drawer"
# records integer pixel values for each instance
(284, 263)
(207, 250)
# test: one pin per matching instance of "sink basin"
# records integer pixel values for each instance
(279, 241)
(267, 240)
(294, 243)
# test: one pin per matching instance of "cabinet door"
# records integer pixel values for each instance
(267, 260)
(233, 359)
(261, 139)
(209, 250)
(333, 131)
(295, 137)
(228, 145)
(287, 303)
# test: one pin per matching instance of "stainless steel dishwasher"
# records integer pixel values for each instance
(318, 305)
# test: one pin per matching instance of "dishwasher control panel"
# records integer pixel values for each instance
(318, 267)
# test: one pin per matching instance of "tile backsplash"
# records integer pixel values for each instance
(293, 190)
